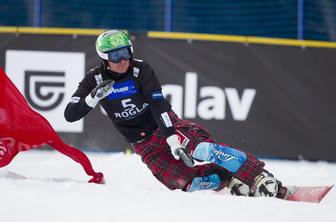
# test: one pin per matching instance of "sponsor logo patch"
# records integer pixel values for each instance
(75, 99)
(182, 138)
(136, 72)
(166, 120)
(123, 89)
(157, 95)
(224, 156)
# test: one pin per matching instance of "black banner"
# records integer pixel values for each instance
(275, 101)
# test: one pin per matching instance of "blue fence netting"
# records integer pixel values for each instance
(294, 19)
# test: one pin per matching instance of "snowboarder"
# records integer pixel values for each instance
(131, 95)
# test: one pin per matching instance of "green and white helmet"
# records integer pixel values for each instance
(112, 40)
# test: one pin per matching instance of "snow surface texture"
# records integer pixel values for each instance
(40, 186)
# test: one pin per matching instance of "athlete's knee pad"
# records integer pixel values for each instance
(211, 182)
(224, 156)
(244, 166)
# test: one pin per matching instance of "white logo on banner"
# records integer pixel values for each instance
(47, 80)
(213, 100)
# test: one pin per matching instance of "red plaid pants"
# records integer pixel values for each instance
(174, 174)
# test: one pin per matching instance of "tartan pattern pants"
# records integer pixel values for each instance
(174, 174)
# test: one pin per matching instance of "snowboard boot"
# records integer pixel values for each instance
(266, 185)
(238, 188)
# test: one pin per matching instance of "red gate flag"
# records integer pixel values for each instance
(21, 129)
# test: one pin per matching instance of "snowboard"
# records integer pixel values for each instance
(306, 194)
(310, 194)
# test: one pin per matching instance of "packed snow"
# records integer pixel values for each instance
(40, 186)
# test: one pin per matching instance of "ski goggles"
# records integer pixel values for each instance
(116, 56)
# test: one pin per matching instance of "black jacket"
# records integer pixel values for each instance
(136, 106)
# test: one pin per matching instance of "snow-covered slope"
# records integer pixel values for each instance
(45, 186)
